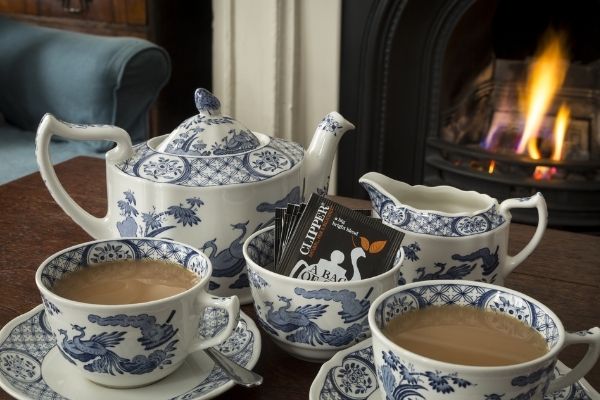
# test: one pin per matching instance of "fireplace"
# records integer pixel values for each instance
(436, 87)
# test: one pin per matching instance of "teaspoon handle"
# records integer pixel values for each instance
(236, 372)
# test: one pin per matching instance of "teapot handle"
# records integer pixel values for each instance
(537, 200)
(98, 228)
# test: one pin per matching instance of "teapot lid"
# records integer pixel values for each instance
(209, 133)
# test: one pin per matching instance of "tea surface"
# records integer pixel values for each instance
(466, 336)
(125, 282)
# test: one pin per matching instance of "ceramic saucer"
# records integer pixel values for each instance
(350, 375)
(31, 366)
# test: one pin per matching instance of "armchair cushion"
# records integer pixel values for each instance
(77, 77)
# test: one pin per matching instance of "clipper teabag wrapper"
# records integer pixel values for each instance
(333, 243)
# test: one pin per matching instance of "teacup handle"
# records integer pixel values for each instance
(229, 304)
(537, 200)
(590, 337)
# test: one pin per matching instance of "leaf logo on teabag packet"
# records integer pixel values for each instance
(333, 243)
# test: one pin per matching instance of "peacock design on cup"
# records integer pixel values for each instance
(300, 323)
(98, 352)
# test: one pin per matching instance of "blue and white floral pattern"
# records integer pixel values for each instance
(403, 382)
(51, 308)
(191, 143)
(411, 251)
(429, 223)
(300, 325)
(206, 101)
(29, 340)
(110, 252)
(354, 378)
(346, 375)
(151, 223)
(163, 169)
(260, 249)
(269, 161)
(329, 124)
(214, 321)
(148, 164)
(482, 259)
(84, 126)
(99, 352)
(256, 280)
(227, 137)
(20, 366)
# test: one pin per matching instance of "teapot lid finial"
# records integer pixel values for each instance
(206, 102)
(209, 133)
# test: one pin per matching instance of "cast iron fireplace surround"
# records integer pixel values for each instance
(402, 61)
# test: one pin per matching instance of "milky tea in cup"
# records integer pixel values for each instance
(466, 336)
(125, 282)
(505, 360)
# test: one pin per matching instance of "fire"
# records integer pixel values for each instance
(560, 130)
(558, 134)
(546, 76)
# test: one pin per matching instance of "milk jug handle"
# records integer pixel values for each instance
(591, 337)
(537, 201)
(98, 228)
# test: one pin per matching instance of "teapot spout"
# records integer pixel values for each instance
(320, 153)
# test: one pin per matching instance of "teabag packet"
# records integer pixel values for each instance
(286, 220)
(297, 210)
(335, 243)
(278, 230)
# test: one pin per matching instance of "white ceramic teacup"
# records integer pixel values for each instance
(311, 320)
(400, 371)
(132, 344)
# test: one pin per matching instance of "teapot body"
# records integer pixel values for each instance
(215, 219)
(210, 183)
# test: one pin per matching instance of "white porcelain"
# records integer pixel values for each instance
(32, 368)
(310, 320)
(130, 345)
(210, 183)
(350, 375)
(400, 371)
(450, 233)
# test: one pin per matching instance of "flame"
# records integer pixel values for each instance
(546, 75)
(492, 167)
(560, 130)
(558, 134)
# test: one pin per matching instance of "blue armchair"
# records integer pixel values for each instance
(77, 77)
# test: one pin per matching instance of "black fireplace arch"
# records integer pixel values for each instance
(394, 112)
(408, 65)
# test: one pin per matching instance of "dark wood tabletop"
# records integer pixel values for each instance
(563, 272)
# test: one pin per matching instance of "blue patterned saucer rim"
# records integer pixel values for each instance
(357, 361)
(21, 373)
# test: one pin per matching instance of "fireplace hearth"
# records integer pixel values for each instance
(429, 83)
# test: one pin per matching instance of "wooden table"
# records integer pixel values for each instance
(563, 272)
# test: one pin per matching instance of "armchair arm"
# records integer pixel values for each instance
(78, 77)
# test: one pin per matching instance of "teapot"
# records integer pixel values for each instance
(210, 183)
(451, 233)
